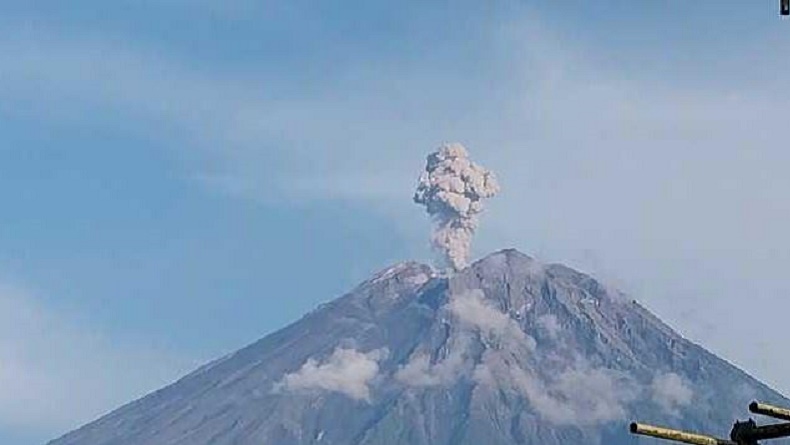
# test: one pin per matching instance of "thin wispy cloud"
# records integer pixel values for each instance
(551, 86)
(59, 74)
(233, 126)
(57, 373)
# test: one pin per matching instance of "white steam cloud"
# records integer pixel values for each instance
(452, 188)
(472, 313)
(346, 371)
(580, 394)
(420, 372)
(570, 391)
(550, 325)
(472, 309)
(671, 392)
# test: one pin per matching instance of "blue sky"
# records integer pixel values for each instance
(179, 178)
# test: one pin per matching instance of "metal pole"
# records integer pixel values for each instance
(770, 410)
(677, 435)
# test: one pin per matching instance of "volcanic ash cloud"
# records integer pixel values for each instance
(452, 188)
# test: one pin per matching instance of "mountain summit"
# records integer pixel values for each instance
(506, 351)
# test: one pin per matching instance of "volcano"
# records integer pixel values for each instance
(506, 351)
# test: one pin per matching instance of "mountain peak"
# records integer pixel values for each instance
(504, 259)
(507, 253)
(404, 270)
(506, 351)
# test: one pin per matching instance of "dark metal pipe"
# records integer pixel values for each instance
(677, 435)
(769, 432)
(769, 410)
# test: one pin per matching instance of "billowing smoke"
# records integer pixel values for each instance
(452, 189)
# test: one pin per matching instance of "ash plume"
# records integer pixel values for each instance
(452, 188)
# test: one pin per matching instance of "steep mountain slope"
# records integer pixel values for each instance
(507, 351)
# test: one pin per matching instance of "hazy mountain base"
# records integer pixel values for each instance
(507, 351)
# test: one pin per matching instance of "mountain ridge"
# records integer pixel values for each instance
(506, 351)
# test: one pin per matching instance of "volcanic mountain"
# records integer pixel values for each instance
(507, 351)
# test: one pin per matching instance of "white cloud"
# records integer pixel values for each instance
(549, 324)
(346, 371)
(472, 309)
(456, 364)
(577, 395)
(56, 374)
(471, 313)
(58, 74)
(671, 392)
